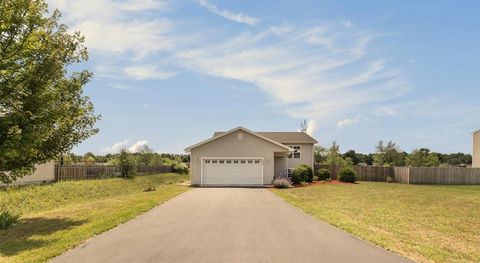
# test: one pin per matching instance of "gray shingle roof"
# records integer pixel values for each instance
(283, 137)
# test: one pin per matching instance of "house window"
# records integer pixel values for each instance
(222, 161)
(288, 172)
(250, 161)
(240, 136)
(228, 161)
(207, 161)
(235, 161)
(257, 161)
(296, 152)
(242, 161)
(214, 161)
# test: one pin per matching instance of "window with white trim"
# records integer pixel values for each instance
(296, 152)
(288, 171)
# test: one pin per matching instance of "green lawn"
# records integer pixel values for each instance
(59, 216)
(424, 223)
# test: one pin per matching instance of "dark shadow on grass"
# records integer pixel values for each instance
(18, 238)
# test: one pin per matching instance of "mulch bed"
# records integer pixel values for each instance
(318, 183)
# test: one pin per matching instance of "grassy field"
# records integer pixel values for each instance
(59, 216)
(424, 223)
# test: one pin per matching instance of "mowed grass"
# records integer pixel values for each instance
(424, 223)
(60, 216)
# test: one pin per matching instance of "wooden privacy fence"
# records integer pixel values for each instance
(364, 173)
(82, 172)
(447, 175)
(412, 175)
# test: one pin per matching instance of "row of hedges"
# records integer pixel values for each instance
(303, 173)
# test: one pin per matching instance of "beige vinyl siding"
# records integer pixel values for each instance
(306, 155)
(476, 150)
(250, 146)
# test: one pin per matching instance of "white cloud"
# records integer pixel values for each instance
(239, 18)
(311, 127)
(137, 146)
(118, 146)
(147, 72)
(310, 73)
(136, 36)
(315, 73)
(347, 122)
(112, 27)
(115, 148)
(140, 5)
(119, 86)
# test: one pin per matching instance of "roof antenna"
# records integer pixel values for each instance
(303, 126)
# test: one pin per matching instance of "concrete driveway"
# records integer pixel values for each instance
(226, 225)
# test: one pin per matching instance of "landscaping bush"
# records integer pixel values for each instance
(149, 187)
(347, 175)
(323, 174)
(302, 173)
(8, 220)
(179, 168)
(282, 182)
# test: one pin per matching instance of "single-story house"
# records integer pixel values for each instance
(476, 149)
(240, 157)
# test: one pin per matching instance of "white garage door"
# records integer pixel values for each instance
(232, 171)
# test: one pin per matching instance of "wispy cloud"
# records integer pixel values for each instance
(118, 30)
(237, 17)
(310, 73)
(349, 121)
(315, 73)
(147, 72)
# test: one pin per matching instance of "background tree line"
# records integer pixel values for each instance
(389, 154)
(144, 156)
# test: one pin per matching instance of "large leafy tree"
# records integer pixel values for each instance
(388, 155)
(422, 158)
(43, 111)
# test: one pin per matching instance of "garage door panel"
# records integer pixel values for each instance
(219, 172)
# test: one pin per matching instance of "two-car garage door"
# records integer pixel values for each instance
(232, 171)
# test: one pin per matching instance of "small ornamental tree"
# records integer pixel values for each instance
(126, 163)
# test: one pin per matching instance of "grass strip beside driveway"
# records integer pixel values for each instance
(60, 216)
(423, 222)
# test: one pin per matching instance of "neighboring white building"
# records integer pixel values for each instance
(476, 149)
(44, 173)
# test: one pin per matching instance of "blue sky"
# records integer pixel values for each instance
(170, 73)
